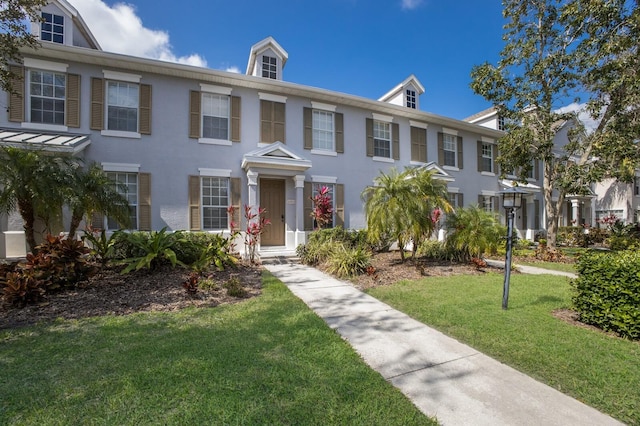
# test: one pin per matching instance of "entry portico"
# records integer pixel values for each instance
(275, 181)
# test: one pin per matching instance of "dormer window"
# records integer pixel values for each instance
(269, 67)
(501, 125)
(411, 99)
(52, 28)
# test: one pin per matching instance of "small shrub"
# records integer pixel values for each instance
(101, 247)
(208, 284)
(191, 285)
(234, 288)
(155, 248)
(21, 288)
(607, 291)
(348, 262)
(441, 251)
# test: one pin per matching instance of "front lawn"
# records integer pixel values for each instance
(599, 369)
(269, 360)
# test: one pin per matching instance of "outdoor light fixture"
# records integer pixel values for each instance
(512, 201)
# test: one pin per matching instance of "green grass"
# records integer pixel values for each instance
(601, 370)
(269, 360)
(554, 266)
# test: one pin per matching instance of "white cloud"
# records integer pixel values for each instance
(410, 4)
(118, 29)
(234, 69)
(583, 115)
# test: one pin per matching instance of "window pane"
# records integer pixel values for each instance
(450, 148)
(215, 116)
(215, 200)
(122, 106)
(127, 186)
(381, 139)
(47, 97)
(323, 131)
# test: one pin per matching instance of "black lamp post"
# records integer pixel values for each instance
(512, 201)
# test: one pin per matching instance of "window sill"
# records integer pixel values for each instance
(45, 126)
(488, 174)
(121, 134)
(324, 152)
(417, 163)
(451, 168)
(209, 141)
(383, 159)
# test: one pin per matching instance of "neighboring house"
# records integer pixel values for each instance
(188, 142)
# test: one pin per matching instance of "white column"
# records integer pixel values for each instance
(252, 184)
(575, 210)
(300, 235)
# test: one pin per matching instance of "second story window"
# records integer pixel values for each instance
(323, 130)
(381, 139)
(486, 158)
(269, 67)
(52, 28)
(122, 106)
(47, 97)
(215, 116)
(636, 185)
(450, 150)
(411, 99)
(501, 125)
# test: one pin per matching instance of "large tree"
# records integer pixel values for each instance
(14, 34)
(557, 52)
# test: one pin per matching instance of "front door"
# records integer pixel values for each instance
(272, 198)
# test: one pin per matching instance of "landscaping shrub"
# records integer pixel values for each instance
(59, 264)
(153, 249)
(607, 292)
(346, 262)
(439, 250)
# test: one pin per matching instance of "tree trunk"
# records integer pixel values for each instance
(28, 216)
(551, 208)
(76, 218)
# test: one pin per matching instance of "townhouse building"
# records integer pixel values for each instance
(187, 142)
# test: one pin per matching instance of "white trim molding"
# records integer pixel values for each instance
(121, 167)
(45, 65)
(214, 172)
(271, 97)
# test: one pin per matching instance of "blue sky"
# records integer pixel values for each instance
(359, 47)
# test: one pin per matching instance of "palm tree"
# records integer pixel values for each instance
(33, 182)
(93, 192)
(474, 230)
(400, 205)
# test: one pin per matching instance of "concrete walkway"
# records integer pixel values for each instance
(530, 269)
(444, 378)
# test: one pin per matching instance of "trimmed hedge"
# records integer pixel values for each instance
(607, 291)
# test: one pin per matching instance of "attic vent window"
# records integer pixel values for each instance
(269, 69)
(52, 28)
(411, 99)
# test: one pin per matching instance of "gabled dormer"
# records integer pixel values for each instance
(487, 118)
(267, 59)
(62, 24)
(405, 94)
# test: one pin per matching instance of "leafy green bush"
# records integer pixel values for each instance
(607, 292)
(348, 262)
(439, 250)
(202, 249)
(101, 247)
(155, 248)
(234, 287)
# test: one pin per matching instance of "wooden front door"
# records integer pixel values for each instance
(272, 198)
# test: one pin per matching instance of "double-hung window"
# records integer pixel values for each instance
(215, 116)
(381, 139)
(487, 158)
(450, 150)
(127, 185)
(122, 106)
(215, 201)
(47, 96)
(323, 130)
(636, 185)
(52, 28)
(269, 67)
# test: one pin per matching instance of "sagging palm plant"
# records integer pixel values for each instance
(91, 191)
(401, 205)
(474, 230)
(33, 182)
